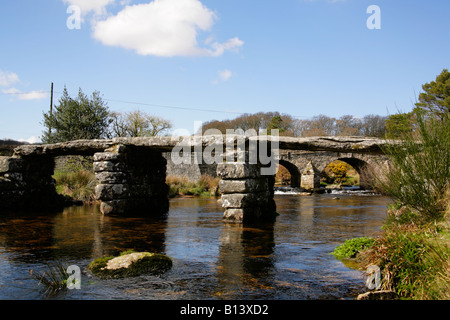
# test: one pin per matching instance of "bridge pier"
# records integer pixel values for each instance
(247, 195)
(131, 181)
(26, 183)
(310, 179)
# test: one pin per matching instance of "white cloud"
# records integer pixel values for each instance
(87, 6)
(31, 95)
(8, 78)
(163, 28)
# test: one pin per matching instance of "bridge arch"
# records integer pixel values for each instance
(293, 171)
(360, 165)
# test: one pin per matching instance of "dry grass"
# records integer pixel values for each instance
(79, 185)
(181, 186)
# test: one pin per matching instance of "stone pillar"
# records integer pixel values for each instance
(246, 194)
(131, 181)
(26, 183)
(310, 179)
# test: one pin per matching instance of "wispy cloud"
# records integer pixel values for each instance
(30, 95)
(224, 75)
(8, 78)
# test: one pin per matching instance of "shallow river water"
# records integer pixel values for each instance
(285, 260)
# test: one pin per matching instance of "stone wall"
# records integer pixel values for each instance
(131, 181)
(192, 171)
(27, 183)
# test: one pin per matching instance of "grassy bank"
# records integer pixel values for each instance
(414, 257)
(413, 253)
(206, 186)
(78, 185)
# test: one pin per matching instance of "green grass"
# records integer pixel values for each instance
(53, 279)
(206, 186)
(414, 261)
(78, 185)
(352, 247)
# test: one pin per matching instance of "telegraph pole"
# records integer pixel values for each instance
(51, 109)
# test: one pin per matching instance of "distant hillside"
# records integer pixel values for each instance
(7, 146)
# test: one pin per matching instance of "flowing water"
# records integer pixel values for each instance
(212, 259)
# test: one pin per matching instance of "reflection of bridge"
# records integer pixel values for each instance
(131, 171)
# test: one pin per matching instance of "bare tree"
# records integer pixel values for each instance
(137, 124)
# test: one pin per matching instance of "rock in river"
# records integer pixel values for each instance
(130, 265)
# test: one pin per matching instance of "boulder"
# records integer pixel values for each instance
(378, 295)
(130, 265)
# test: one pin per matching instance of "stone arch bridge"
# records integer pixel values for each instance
(131, 172)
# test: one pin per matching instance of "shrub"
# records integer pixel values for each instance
(419, 173)
(409, 259)
(352, 247)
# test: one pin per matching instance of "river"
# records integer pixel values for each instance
(286, 260)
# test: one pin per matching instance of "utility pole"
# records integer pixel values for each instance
(51, 109)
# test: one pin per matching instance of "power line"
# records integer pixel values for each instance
(153, 105)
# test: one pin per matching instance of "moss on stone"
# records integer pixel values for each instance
(130, 264)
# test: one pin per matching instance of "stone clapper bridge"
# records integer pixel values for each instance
(131, 172)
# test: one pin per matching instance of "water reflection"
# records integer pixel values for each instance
(287, 259)
(245, 259)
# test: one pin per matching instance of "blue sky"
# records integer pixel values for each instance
(198, 60)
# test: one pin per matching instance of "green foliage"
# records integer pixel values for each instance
(78, 185)
(352, 247)
(77, 163)
(275, 124)
(339, 172)
(79, 118)
(410, 260)
(419, 174)
(435, 100)
(397, 125)
(206, 186)
(54, 278)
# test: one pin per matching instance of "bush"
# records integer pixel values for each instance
(419, 174)
(410, 259)
(352, 247)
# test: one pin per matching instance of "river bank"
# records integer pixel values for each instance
(413, 259)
